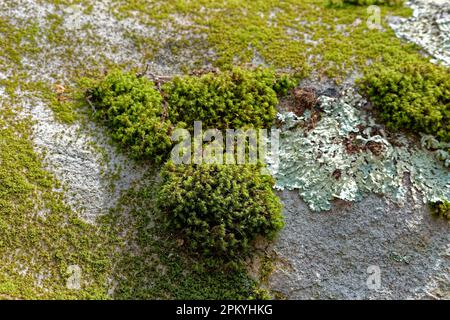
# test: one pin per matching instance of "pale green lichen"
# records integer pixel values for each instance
(345, 157)
(441, 149)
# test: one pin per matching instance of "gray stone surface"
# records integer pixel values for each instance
(326, 255)
(429, 27)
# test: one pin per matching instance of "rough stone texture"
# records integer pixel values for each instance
(93, 172)
(429, 27)
(326, 255)
(321, 254)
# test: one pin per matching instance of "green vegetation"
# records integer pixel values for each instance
(219, 209)
(155, 263)
(441, 208)
(40, 237)
(368, 2)
(284, 83)
(230, 99)
(303, 37)
(415, 96)
(132, 108)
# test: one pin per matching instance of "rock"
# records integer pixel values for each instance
(343, 243)
(429, 27)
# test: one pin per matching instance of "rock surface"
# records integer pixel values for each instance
(320, 254)
(429, 27)
(327, 255)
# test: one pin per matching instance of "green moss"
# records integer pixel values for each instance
(40, 236)
(367, 2)
(154, 263)
(441, 208)
(15, 42)
(133, 109)
(219, 209)
(300, 36)
(232, 99)
(413, 95)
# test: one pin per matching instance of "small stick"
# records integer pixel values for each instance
(141, 74)
(90, 103)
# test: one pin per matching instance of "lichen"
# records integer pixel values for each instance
(345, 156)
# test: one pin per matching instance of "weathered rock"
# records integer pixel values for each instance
(327, 255)
(429, 27)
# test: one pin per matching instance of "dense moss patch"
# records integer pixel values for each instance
(230, 99)
(142, 120)
(154, 262)
(132, 108)
(414, 95)
(220, 209)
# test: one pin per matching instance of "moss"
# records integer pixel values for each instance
(219, 209)
(441, 208)
(266, 268)
(40, 236)
(154, 264)
(413, 95)
(236, 32)
(132, 108)
(301, 36)
(15, 42)
(231, 99)
(43, 236)
(367, 2)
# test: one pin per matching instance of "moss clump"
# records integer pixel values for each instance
(414, 95)
(157, 266)
(441, 208)
(133, 109)
(229, 99)
(219, 209)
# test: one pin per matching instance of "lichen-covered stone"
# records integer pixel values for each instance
(346, 157)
